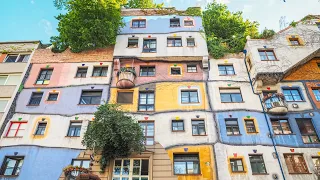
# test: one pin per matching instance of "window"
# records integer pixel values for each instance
(316, 162)
(236, 165)
(226, 70)
(267, 55)
(3, 105)
(281, 126)
(149, 45)
(74, 129)
(198, 127)
(190, 42)
(232, 127)
(316, 93)
(189, 96)
(307, 131)
(191, 68)
(10, 79)
(147, 70)
(257, 164)
(35, 98)
(41, 128)
(133, 42)
(174, 42)
(90, 97)
(294, 41)
(188, 22)
(177, 125)
(250, 126)
(146, 101)
(84, 163)
(175, 71)
(11, 165)
(148, 131)
(125, 97)
(230, 95)
(292, 95)
(53, 97)
(44, 76)
(133, 169)
(186, 164)
(100, 71)
(175, 22)
(16, 129)
(82, 72)
(17, 58)
(141, 23)
(296, 163)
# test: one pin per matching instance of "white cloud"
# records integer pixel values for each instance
(46, 25)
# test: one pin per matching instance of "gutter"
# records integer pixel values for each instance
(265, 116)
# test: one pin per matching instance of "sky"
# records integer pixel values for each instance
(34, 19)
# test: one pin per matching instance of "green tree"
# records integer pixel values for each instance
(87, 25)
(143, 4)
(113, 134)
(226, 31)
(267, 33)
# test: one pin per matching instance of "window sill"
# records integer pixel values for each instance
(234, 102)
(191, 103)
(9, 176)
(149, 52)
(80, 77)
(72, 136)
(191, 46)
(235, 135)
(146, 76)
(253, 133)
(228, 75)
(188, 174)
(283, 134)
(199, 135)
(270, 60)
(312, 143)
(239, 172)
(88, 104)
(300, 173)
(97, 76)
(132, 47)
(178, 131)
(173, 46)
(295, 101)
(258, 174)
(192, 72)
(12, 136)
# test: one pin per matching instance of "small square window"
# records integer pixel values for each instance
(175, 71)
(91, 97)
(250, 126)
(82, 72)
(226, 70)
(190, 42)
(53, 97)
(35, 98)
(11, 165)
(191, 68)
(267, 55)
(149, 46)
(100, 71)
(198, 128)
(292, 95)
(294, 41)
(138, 23)
(125, 97)
(74, 129)
(41, 128)
(232, 126)
(177, 125)
(44, 76)
(189, 96)
(186, 164)
(188, 23)
(175, 22)
(236, 165)
(133, 42)
(174, 42)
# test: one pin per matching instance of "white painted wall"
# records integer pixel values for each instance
(251, 101)
(121, 47)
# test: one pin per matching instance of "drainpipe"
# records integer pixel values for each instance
(265, 115)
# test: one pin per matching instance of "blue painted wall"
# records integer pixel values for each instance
(159, 24)
(244, 138)
(40, 163)
(67, 103)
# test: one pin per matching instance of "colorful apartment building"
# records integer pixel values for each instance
(253, 115)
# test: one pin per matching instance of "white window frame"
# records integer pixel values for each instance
(19, 54)
(6, 81)
(130, 176)
(186, 88)
(5, 99)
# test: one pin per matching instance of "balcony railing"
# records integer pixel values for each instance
(275, 104)
(126, 78)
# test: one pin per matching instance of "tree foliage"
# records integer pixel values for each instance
(113, 134)
(87, 25)
(226, 31)
(267, 33)
(143, 4)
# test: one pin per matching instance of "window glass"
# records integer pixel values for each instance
(267, 55)
(100, 71)
(226, 70)
(250, 126)
(74, 129)
(189, 96)
(82, 72)
(125, 97)
(147, 71)
(149, 45)
(148, 131)
(175, 71)
(175, 22)
(281, 126)
(44, 76)
(91, 97)
(133, 42)
(257, 164)
(174, 42)
(198, 127)
(307, 131)
(41, 128)
(186, 164)
(11, 58)
(3, 80)
(177, 125)
(131, 169)
(231, 95)
(236, 165)
(53, 96)
(11, 166)
(296, 163)
(232, 126)
(146, 101)
(316, 93)
(188, 23)
(35, 98)
(191, 68)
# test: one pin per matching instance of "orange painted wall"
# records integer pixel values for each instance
(309, 71)
(2, 57)
(310, 86)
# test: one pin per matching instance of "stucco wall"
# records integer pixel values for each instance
(6, 91)
(40, 163)
(55, 134)
(64, 74)
(67, 103)
(200, 49)
(18, 47)
(7, 68)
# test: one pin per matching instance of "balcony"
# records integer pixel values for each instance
(126, 77)
(275, 104)
(78, 173)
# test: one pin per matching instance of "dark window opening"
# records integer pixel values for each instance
(35, 98)
(100, 71)
(91, 97)
(44, 76)
(133, 43)
(125, 97)
(82, 72)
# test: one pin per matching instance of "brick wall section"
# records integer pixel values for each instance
(308, 71)
(47, 56)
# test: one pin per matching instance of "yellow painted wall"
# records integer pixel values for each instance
(206, 158)
(35, 125)
(166, 97)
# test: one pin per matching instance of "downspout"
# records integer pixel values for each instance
(265, 115)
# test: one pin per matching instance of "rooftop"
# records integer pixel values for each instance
(191, 11)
